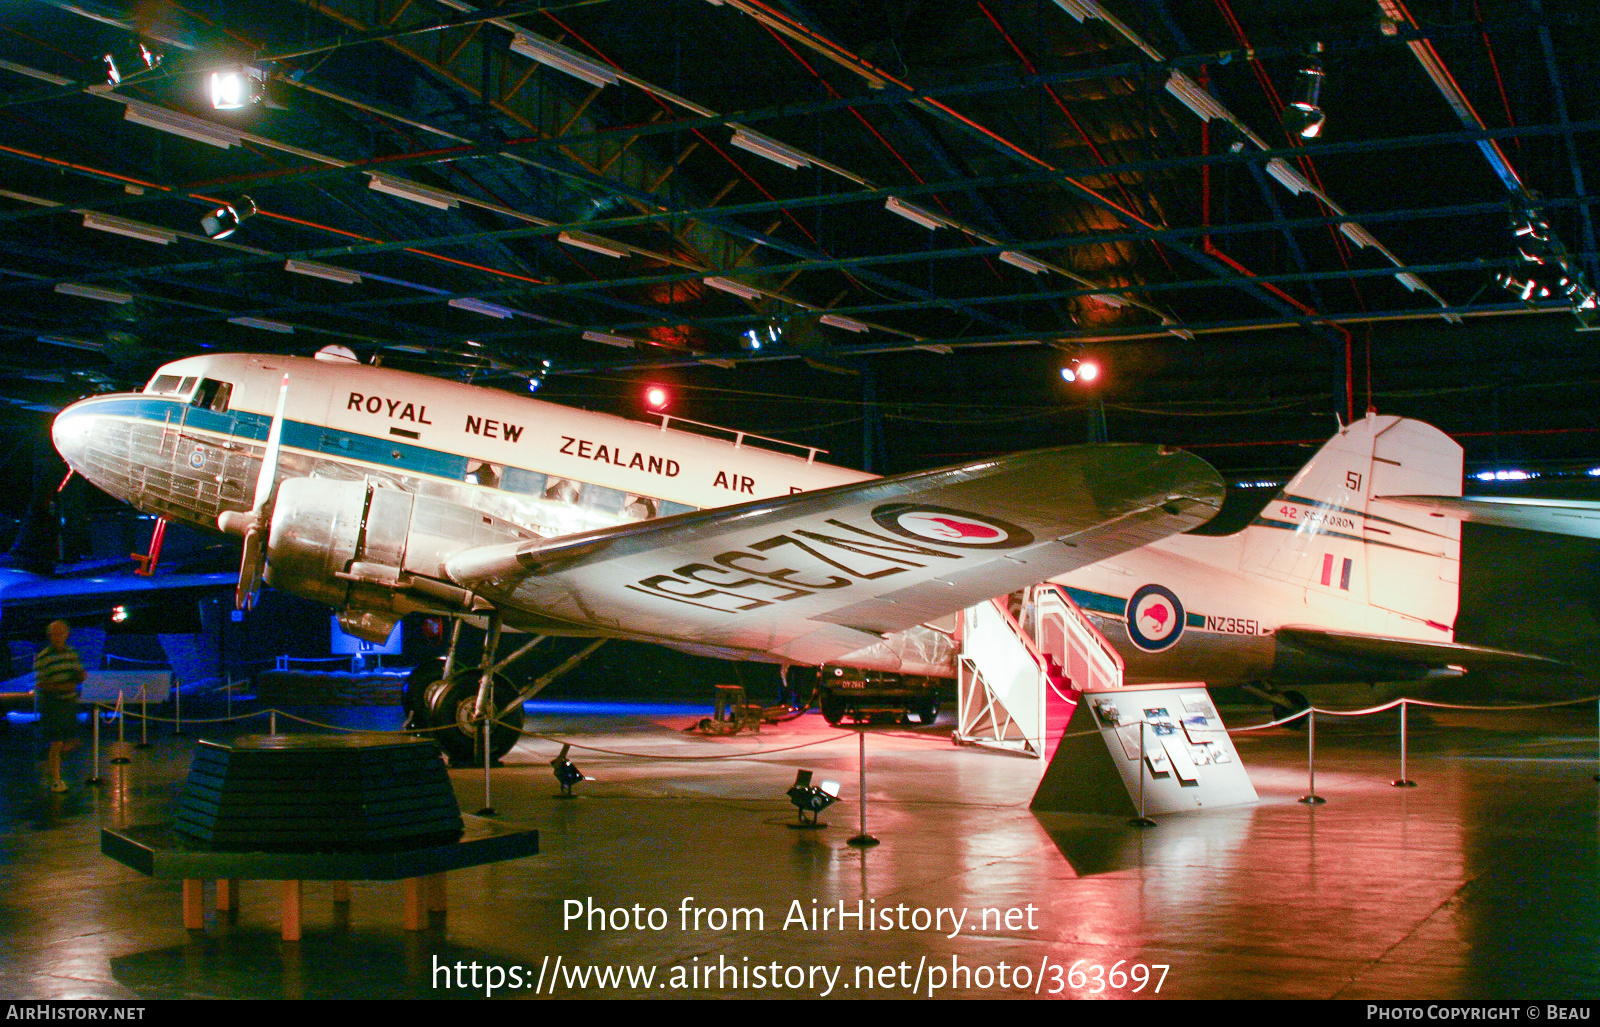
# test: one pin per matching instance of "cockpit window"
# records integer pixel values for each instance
(162, 385)
(213, 395)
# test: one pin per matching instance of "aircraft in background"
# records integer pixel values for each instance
(383, 493)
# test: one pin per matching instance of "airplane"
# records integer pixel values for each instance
(383, 493)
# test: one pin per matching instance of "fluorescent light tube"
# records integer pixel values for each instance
(90, 292)
(912, 212)
(1110, 300)
(1023, 261)
(265, 326)
(608, 339)
(554, 55)
(178, 124)
(1202, 103)
(770, 148)
(480, 307)
(593, 243)
(1411, 281)
(1288, 177)
(1358, 235)
(413, 192)
(75, 343)
(849, 324)
(328, 271)
(131, 229)
(1082, 9)
(738, 289)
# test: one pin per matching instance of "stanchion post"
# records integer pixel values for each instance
(272, 722)
(1311, 798)
(94, 734)
(177, 706)
(1403, 781)
(144, 718)
(862, 840)
(121, 742)
(1597, 739)
(1141, 820)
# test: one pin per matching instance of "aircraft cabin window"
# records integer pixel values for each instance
(486, 474)
(162, 385)
(213, 395)
(561, 490)
(598, 497)
(529, 483)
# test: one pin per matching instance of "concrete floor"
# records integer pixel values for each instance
(1479, 883)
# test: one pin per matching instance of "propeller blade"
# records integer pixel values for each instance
(250, 570)
(252, 565)
(269, 459)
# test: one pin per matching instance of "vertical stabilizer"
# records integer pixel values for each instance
(1364, 564)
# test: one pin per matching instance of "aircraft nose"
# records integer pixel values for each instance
(71, 432)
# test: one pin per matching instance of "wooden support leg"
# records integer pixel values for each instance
(227, 894)
(434, 885)
(194, 903)
(290, 914)
(416, 918)
(341, 891)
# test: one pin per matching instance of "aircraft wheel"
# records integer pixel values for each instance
(448, 704)
(413, 699)
(832, 708)
(928, 712)
(1297, 702)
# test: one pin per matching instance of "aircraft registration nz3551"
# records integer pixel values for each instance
(382, 493)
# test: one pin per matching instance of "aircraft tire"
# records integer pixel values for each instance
(1297, 702)
(832, 708)
(448, 703)
(928, 712)
(413, 700)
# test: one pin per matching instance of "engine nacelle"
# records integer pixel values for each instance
(375, 552)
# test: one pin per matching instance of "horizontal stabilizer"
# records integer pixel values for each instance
(1404, 652)
(1579, 517)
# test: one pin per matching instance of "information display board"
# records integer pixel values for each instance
(1187, 760)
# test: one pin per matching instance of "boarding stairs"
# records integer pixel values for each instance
(1025, 658)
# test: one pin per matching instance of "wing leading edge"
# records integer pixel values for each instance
(815, 576)
(1378, 655)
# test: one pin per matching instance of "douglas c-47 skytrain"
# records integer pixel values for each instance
(382, 493)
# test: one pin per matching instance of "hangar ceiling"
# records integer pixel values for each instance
(880, 227)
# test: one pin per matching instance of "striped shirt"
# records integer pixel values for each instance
(57, 672)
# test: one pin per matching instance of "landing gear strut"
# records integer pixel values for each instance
(1284, 703)
(442, 697)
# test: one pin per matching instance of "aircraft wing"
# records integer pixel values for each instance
(1560, 516)
(27, 601)
(817, 575)
(1404, 654)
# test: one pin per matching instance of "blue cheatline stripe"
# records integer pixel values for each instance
(1099, 602)
(314, 438)
(1195, 620)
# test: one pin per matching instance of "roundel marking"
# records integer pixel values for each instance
(197, 458)
(950, 527)
(1155, 618)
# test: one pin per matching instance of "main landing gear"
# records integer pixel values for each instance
(1285, 703)
(441, 698)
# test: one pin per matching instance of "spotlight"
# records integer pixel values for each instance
(1304, 115)
(566, 773)
(1078, 370)
(656, 397)
(119, 614)
(236, 88)
(224, 221)
(812, 799)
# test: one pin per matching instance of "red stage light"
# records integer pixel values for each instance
(656, 396)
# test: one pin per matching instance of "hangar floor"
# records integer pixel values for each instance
(1478, 883)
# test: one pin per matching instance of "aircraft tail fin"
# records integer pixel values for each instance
(1368, 565)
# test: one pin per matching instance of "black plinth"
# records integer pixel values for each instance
(157, 850)
(317, 793)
